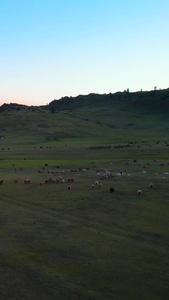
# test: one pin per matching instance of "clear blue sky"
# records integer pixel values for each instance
(55, 48)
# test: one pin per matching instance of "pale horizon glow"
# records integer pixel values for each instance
(57, 48)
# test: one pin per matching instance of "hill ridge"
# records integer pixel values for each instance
(154, 99)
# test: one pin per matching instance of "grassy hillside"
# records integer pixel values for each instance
(110, 118)
(155, 101)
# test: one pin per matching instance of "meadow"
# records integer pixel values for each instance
(84, 243)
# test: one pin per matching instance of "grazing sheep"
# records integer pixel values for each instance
(16, 180)
(71, 179)
(41, 182)
(100, 185)
(151, 185)
(63, 171)
(111, 189)
(69, 187)
(139, 192)
(108, 174)
(27, 181)
(1, 181)
(105, 176)
(93, 186)
(53, 180)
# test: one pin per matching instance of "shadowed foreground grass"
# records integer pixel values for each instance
(84, 243)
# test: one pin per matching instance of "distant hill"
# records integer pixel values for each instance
(121, 116)
(149, 101)
(156, 101)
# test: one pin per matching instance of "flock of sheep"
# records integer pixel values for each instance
(69, 180)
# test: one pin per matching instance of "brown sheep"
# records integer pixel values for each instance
(71, 179)
(27, 180)
(16, 180)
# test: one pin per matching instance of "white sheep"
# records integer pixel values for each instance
(139, 192)
(92, 186)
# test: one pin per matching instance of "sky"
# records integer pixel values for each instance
(55, 48)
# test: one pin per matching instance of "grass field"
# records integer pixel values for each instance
(84, 243)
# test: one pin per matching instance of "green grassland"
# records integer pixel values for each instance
(85, 243)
